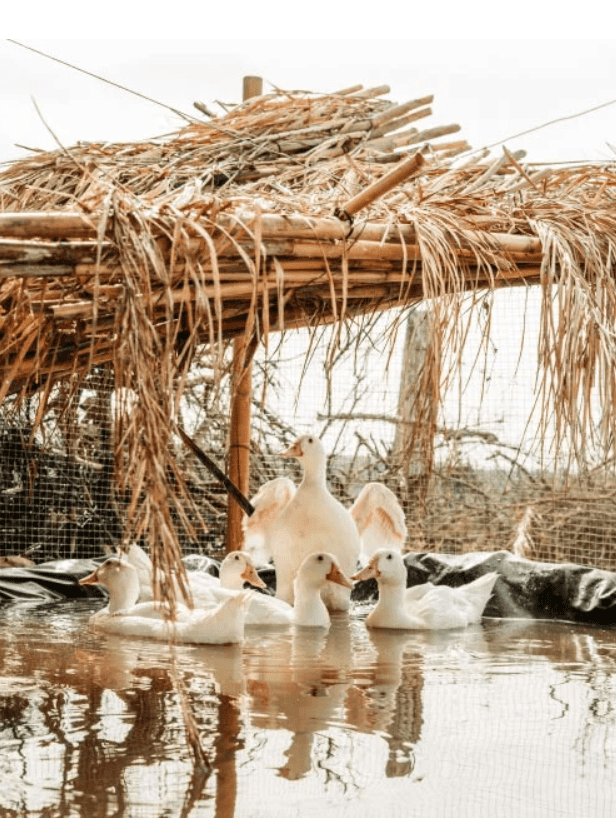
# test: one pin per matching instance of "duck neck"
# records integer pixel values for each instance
(309, 608)
(314, 474)
(391, 597)
(229, 579)
(124, 598)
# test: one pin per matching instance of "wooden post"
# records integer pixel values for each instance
(414, 439)
(241, 397)
(252, 87)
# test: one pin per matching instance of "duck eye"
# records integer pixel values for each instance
(309, 440)
(320, 558)
(389, 556)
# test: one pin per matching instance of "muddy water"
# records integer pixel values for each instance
(508, 718)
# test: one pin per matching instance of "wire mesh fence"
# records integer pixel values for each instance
(492, 482)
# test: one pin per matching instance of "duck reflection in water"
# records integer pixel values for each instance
(386, 696)
(309, 681)
(85, 714)
(299, 685)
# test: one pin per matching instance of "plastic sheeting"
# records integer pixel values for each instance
(524, 590)
(50, 581)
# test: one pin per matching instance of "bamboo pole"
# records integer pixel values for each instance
(398, 140)
(434, 133)
(239, 428)
(60, 252)
(397, 111)
(70, 225)
(352, 89)
(402, 172)
(59, 225)
(401, 122)
(389, 117)
(370, 93)
(36, 270)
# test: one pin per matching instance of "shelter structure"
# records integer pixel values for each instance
(289, 210)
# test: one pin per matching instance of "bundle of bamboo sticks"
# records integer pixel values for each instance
(291, 137)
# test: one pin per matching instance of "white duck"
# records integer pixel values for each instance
(289, 524)
(208, 591)
(422, 607)
(223, 624)
(315, 572)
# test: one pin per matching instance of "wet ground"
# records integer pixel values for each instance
(507, 718)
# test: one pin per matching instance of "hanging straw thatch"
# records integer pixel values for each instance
(291, 210)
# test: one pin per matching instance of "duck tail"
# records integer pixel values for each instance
(225, 624)
(480, 590)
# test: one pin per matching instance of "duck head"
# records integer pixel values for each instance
(320, 567)
(120, 579)
(386, 566)
(309, 450)
(236, 569)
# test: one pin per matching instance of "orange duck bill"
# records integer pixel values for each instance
(91, 579)
(293, 451)
(250, 576)
(371, 571)
(340, 578)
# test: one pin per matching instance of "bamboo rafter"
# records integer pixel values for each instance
(298, 279)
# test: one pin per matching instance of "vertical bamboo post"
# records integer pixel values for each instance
(241, 397)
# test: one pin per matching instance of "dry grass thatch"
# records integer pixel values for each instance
(136, 255)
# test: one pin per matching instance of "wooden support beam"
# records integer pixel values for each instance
(241, 399)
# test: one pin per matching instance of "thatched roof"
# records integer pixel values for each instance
(228, 227)
(136, 254)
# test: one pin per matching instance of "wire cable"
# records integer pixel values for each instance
(187, 117)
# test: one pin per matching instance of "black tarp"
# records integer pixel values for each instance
(525, 589)
(50, 581)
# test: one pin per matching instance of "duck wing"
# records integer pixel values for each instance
(267, 610)
(416, 592)
(221, 626)
(379, 519)
(268, 502)
(154, 610)
(142, 564)
(126, 624)
(443, 607)
(262, 608)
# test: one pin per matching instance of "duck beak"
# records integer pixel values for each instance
(371, 571)
(337, 576)
(91, 579)
(293, 451)
(250, 575)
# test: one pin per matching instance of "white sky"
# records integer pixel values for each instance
(493, 88)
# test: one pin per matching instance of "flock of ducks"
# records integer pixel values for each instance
(316, 545)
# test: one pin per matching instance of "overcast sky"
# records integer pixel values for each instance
(493, 88)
